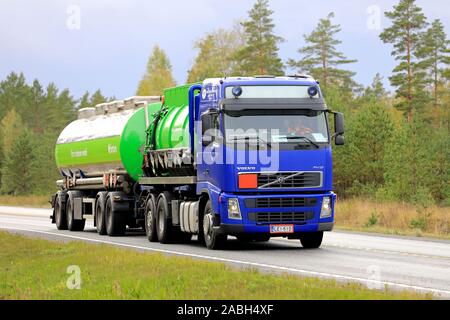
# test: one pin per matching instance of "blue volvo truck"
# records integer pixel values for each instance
(247, 157)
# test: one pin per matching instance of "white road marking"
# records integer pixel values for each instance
(249, 263)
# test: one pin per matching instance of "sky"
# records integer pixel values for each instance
(105, 44)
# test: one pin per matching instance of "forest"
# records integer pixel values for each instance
(397, 143)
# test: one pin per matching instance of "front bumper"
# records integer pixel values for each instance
(235, 229)
(251, 224)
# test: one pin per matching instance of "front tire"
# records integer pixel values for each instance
(311, 240)
(213, 240)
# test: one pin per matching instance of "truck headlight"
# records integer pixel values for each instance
(234, 212)
(326, 208)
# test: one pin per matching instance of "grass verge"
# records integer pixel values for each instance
(26, 201)
(37, 269)
(393, 218)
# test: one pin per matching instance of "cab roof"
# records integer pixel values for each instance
(299, 79)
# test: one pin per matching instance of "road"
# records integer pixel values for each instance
(401, 263)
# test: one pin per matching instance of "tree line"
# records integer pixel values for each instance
(398, 144)
(32, 117)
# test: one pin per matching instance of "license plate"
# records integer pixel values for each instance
(282, 228)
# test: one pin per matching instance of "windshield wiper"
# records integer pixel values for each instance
(246, 139)
(304, 138)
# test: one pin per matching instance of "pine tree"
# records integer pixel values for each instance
(97, 98)
(216, 52)
(10, 127)
(14, 93)
(84, 101)
(16, 171)
(320, 57)
(158, 76)
(408, 23)
(376, 90)
(43, 172)
(260, 55)
(36, 117)
(434, 52)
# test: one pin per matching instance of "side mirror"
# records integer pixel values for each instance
(339, 140)
(208, 123)
(339, 124)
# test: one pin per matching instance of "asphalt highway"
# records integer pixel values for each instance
(401, 263)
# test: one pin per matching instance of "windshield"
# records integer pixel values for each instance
(282, 127)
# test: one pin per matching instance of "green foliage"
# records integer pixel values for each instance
(421, 220)
(376, 90)
(434, 53)
(406, 162)
(16, 171)
(373, 220)
(260, 54)
(216, 54)
(408, 23)
(158, 75)
(321, 58)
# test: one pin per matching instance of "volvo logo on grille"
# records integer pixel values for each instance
(281, 180)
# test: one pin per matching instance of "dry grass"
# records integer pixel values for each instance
(26, 201)
(393, 218)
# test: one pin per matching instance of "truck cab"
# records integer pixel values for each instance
(264, 157)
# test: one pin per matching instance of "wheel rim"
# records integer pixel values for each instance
(207, 226)
(149, 220)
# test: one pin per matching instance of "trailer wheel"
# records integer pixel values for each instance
(150, 219)
(115, 218)
(100, 219)
(72, 224)
(213, 240)
(311, 240)
(60, 212)
(164, 227)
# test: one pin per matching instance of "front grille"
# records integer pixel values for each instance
(280, 202)
(280, 217)
(287, 180)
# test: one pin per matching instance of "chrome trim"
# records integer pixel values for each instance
(294, 174)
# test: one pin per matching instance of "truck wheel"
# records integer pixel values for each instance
(164, 227)
(72, 224)
(150, 219)
(213, 240)
(311, 240)
(115, 219)
(100, 219)
(60, 212)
